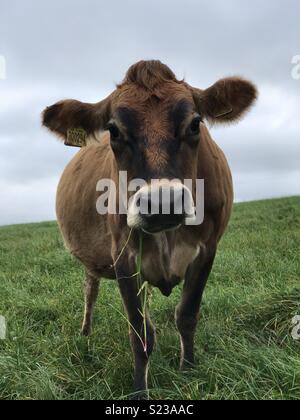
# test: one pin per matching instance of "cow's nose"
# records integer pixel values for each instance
(163, 200)
(162, 208)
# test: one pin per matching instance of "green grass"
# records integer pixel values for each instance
(244, 347)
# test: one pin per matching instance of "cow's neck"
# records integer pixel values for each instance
(166, 257)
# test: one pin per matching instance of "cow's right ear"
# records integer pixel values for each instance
(73, 121)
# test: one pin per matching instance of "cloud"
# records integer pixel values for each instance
(24, 203)
(260, 185)
(80, 49)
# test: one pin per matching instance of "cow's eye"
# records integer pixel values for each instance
(114, 131)
(195, 125)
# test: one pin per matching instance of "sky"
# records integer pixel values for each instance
(81, 48)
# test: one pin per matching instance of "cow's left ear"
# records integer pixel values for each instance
(73, 120)
(225, 101)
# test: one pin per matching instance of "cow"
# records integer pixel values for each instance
(153, 127)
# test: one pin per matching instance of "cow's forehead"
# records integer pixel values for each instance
(160, 100)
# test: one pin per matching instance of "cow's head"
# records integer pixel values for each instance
(154, 122)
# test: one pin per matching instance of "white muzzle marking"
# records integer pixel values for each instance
(166, 204)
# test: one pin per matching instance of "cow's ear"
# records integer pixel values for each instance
(226, 101)
(73, 121)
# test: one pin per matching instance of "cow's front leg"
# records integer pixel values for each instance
(187, 312)
(142, 341)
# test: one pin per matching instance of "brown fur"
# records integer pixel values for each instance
(150, 91)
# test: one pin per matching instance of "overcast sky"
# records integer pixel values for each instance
(81, 48)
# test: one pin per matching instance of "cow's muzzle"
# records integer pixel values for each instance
(161, 206)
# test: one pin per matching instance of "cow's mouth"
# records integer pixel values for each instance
(156, 223)
(152, 230)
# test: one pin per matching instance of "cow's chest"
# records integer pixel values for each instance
(164, 265)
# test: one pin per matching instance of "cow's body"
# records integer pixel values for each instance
(87, 234)
(152, 127)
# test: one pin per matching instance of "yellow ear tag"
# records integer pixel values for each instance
(76, 137)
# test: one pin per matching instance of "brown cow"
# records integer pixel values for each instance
(151, 126)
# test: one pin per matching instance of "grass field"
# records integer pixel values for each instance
(244, 344)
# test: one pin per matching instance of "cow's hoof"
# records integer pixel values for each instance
(139, 396)
(187, 365)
